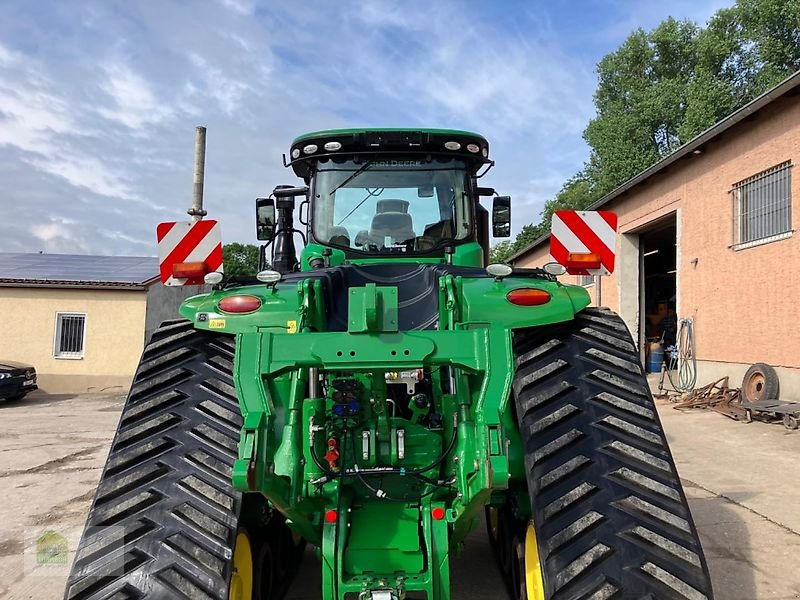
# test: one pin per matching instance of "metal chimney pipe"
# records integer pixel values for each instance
(196, 211)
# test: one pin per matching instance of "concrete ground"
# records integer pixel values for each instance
(52, 450)
(741, 481)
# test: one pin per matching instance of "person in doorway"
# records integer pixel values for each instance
(669, 325)
(656, 314)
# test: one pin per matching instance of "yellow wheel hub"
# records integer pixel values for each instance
(534, 586)
(241, 587)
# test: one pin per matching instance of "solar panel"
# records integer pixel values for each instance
(78, 268)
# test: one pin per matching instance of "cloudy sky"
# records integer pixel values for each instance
(99, 99)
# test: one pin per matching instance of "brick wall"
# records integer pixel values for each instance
(745, 303)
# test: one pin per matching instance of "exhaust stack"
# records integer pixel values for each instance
(197, 212)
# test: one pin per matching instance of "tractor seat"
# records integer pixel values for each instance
(393, 221)
(339, 236)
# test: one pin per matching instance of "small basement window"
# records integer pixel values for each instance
(70, 335)
(763, 207)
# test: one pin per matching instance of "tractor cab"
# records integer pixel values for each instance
(374, 195)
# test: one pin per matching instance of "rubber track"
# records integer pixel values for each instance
(611, 517)
(164, 518)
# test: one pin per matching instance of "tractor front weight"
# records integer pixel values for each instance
(384, 495)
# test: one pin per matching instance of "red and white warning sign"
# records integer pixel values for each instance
(584, 241)
(188, 250)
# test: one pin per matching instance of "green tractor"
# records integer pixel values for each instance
(377, 398)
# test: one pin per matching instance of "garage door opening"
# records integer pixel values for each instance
(658, 284)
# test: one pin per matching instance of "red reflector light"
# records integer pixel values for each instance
(438, 513)
(239, 304)
(331, 516)
(583, 260)
(528, 297)
(189, 270)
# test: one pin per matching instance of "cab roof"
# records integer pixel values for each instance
(365, 142)
(367, 130)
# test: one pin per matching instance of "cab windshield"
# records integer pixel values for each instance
(389, 206)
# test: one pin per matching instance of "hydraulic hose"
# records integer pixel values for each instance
(683, 359)
(385, 470)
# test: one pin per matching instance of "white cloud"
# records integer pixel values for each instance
(243, 7)
(7, 56)
(39, 122)
(116, 236)
(648, 14)
(384, 14)
(58, 235)
(83, 171)
(227, 91)
(434, 63)
(135, 104)
(55, 131)
(123, 131)
(31, 116)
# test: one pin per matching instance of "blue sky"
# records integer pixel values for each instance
(98, 100)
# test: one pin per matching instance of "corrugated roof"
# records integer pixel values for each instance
(787, 85)
(77, 270)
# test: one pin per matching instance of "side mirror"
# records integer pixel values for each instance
(265, 219)
(501, 216)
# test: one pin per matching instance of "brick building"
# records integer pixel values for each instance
(710, 231)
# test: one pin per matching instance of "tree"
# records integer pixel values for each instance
(744, 51)
(501, 251)
(770, 40)
(718, 86)
(577, 193)
(641, 102)
(240, 259)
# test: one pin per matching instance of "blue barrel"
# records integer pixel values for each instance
(656, 358)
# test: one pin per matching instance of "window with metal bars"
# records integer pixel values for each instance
(762, 206)
(585, 280)
(70, 335)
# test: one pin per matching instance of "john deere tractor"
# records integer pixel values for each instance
(378, 397)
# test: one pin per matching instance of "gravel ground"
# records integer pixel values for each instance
(741, 481)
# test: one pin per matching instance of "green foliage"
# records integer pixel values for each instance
(501, 251)
(240, 259)
(577, 193)
(770, 40)
(661, 88)
(744, 51)
(641, 100)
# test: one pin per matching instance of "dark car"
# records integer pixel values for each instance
(16, 379)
